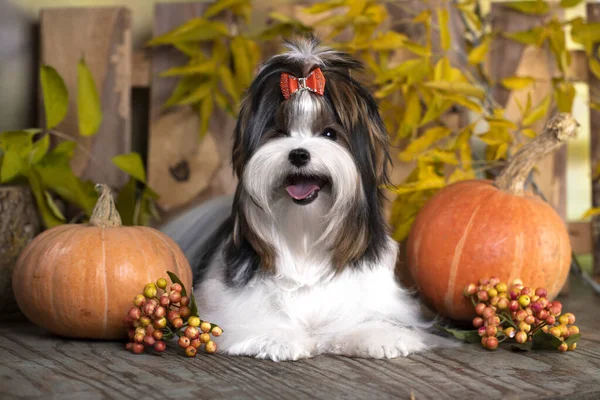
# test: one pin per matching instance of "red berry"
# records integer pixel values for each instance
(563, 347)
(184, 312)
(527, 291)
(530, 319)
(488, 312)
(536, 307)
(164, 300)
(521, 315)
(571, 318)
(470, 290)
(513, 305)
(554, 311)
(134, 313)
(184, 342)
(145, 320)
(172, 315)
(541, 292)
(149, 308)
(514, 293)
(503, 303)
(149, 341)
(139, 300)
(138, 348)
(544, 302)
(492, 343)
(492, 321)
(491, 331)
(177, 287)
(216, 331)
(494, 281)
(190, 351)
(484, 340)
(542, 315)
(482, 295)
(521, 337)
(157, 335)
(139, 337)
(196, 343)
(545, 328)
(210, 347)
(177, 323)
(494, 301)
(160, 323)
(184, 300)
(160, 312)
(479, 308)
(551, 320)
(175, 297)
(129, 346)
(477, 322)
(192, 332)
(160, 346)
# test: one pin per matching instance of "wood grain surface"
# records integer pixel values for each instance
(102, 35)
(35, 365)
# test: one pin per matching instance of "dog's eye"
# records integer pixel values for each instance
(280, 133)
(329, 134)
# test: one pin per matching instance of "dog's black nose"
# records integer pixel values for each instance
(299, 157)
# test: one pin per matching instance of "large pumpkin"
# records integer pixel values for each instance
(80, 280)
(479, 228)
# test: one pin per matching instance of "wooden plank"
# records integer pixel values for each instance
(35, 364)
(140, 71)
(181, 167)
(578, 69)
(593, 15)
(103, 36)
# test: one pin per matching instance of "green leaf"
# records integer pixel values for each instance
(545, 341)
(228, 83)
(536, 7)
(564, 94)
(537, 113)
(195, 30)
(55, 95)
(477, 54)
(535, 36)
(206, 109)
(222, 5)
(89, 108)
(241, 61)
(201, 92)
(175, 279)
(592, 212)
(594, 66)
(65, 149)
(40, 149)
(49, 217)
(183, 88)
(462, 88)
(127, 202)
(132, 165)
(194, 306)
(569, 3)
(445, 39)
(573, 339)
(53, 207)
(467, 336)
(321, 7)
(517, 82)
(12, 166)
(204, 68)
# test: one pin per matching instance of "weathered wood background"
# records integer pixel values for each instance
(36, 365)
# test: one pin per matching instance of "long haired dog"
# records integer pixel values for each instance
(299, 263)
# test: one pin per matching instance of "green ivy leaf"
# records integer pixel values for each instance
(89, 108)
(175, 279)
(55, 95)
(16, 146)
(40, 149)
(132, 165)
(12, 166)
(53, 206)
(49, 218)
(573, 339)
(545, 341)
(194, 307)
(466, 336)
(183, 88)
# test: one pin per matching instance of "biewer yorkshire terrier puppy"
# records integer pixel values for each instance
(299, 262)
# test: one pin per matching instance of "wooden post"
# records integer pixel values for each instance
(182, 168)
(19, 223)
(103, 37)
(593, 15)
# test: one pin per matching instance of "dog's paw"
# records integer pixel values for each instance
(278, 348)
(378, 340)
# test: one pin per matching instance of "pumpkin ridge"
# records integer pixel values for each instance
(105, 321)
(456, 260)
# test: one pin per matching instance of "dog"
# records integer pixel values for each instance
(299, 262)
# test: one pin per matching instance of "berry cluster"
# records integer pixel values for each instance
(517, 312)
(160, 314)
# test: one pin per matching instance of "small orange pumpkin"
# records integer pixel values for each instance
(79, 280)
(478, 228)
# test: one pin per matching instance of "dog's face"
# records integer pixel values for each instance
(310, 155)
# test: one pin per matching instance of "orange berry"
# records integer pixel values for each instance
(205, 327)
(190, 351)
(204, 338)
(563, 347)
(217, 331)
(492, 343)
(184, 342)
(210, 347)
(521, 337)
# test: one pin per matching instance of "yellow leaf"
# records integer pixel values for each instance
(569, 3)
(205, 109)
(462, 88)
(376, 13)
(442, 69)
(437, 156)
(478, 54)
(423, 142)
(592, 212)
(537, 113)
(89, 105)
(586, 34)
(537, 7)
(435, 109)
(470, 17)
(465, 102)
(400, 71)
(517, 82)
(460, 174)
(416, 48)
(412, 114)
(357, 7)
(595, 106)
(445, 39)
(319, 8)
(495, 137)
(564, 94)
(529, 133)
(228, 82)
(389, 40)
(241, 61)
(195, 30)
(497, 152)
(222, 5)
(500, 123)
(423, 17)
(594, 67)
(205, 68)
(596, 171)
(535, 36)
(201, 92)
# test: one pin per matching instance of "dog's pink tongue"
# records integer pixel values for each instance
(302, 190)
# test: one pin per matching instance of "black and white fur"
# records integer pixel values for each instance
(290, 278)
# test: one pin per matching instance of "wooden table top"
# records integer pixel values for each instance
(35, 364)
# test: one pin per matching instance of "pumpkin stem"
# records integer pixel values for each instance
(105, 213)
(558, 130)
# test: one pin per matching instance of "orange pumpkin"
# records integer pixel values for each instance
(80, 280)
(479, 228)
